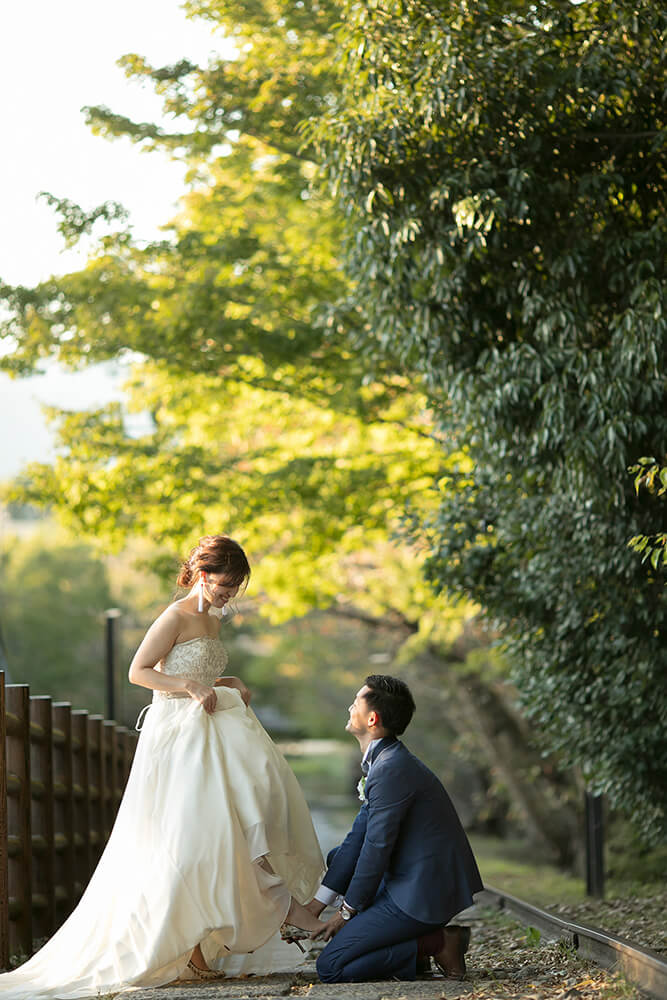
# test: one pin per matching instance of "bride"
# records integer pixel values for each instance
(213, 848)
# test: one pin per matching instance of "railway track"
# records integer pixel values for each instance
(645, 968)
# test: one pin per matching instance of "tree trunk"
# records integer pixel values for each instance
(540, 795)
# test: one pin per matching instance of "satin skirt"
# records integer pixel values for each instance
(208, 798)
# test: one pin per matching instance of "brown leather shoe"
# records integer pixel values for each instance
(450, 959)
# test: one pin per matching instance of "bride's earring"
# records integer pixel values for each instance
(200, 605)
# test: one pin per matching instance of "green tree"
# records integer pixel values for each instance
(262, 423)
(302, 486)
(502, 170)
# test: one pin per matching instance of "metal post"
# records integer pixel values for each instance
(594, 846)
(111, 616)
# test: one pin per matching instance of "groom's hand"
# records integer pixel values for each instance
(315, 907)
(329, 929)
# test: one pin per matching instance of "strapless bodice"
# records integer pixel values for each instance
(202, 659)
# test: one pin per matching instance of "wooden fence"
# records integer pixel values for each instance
(62, 775)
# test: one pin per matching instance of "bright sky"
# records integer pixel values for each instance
(56, 57)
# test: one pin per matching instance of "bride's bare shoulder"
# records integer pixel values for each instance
(172, 619)
(160, 638)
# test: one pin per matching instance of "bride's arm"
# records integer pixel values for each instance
(160, 638)
(235, 682)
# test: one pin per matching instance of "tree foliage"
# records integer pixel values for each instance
(302, 486)
(502, 169)
(254, 249)
(263, 423)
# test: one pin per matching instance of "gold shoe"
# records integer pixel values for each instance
(294, 935)
(206, 974)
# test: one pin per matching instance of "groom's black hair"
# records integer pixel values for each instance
(392, 700)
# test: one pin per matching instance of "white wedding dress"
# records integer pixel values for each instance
(207, 798)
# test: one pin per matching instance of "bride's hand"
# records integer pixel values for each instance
(205, 695)
(236, 682)
(245, 692)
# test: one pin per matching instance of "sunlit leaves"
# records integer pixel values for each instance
(652, 476)
(313, 493)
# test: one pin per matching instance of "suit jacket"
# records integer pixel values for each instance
(408, 833)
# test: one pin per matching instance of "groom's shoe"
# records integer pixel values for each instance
(447, 946)
(451, 957)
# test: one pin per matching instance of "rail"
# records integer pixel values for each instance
(645, 968)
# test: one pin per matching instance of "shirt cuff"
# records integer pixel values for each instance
(327, 896)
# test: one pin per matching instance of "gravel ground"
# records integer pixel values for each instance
(511, 960)
(506, 961)
(639, 918)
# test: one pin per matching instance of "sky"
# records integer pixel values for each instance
(54, 59)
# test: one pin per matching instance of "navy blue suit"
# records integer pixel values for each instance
(406, 866)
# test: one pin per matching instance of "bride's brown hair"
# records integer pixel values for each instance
(216, 554)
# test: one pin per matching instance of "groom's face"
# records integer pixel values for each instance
(359, 711)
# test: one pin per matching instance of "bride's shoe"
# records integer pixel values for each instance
(206, 974)
(294, 935)
(290, 929)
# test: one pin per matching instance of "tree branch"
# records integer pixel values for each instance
(395, 620)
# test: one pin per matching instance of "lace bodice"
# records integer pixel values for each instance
(203, 659)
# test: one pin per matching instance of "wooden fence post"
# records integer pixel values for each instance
(83, 855)
(128, 747)
(19, 833)
(96, 832)
(43, 834)
(122, 736)
(4, 882)
(110, 774)
(64, 808)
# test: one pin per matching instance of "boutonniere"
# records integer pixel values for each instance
(361, 788)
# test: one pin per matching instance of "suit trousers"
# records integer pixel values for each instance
(380, 942)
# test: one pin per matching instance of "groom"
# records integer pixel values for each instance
(405, 868)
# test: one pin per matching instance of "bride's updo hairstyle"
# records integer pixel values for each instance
(216, 554)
